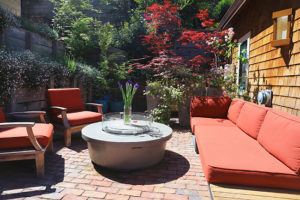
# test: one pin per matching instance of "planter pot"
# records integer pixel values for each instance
(116, 106)
(184, 113)
(152, 102)
(106, 97)
(105, 104)
(214, 92)
(184, 109)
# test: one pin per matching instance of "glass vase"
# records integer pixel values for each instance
(127, 114)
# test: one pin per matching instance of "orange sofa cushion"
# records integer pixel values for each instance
(82, 117)
(235, 109)
(280, 135)
(251, 118)
(2, 116)
(209, 106)
(209, 121)
(228, 155)
(15, 138)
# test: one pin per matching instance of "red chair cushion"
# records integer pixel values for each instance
(209, 106)
(209, 121)
(251, 118)
(69, 98)
(235, 109)
(15, 138)
(2, 116)
(228, 155)
(280, 135)
(82, 117)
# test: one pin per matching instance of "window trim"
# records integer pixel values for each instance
(246, 37)
(275, 15)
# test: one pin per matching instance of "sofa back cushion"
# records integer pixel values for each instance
(69, 98)
(251, 118)
(2, 116)
(235, 109)
(280, 136)
(204, 106)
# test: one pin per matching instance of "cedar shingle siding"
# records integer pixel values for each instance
(276, 68)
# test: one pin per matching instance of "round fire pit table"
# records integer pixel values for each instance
(125, 151)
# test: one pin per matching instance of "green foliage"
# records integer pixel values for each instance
(220, 9)
(127, 36)
(82, 37)
(27, 70)
(188, 13)
(76, 25)
(7, 19)
(143, 4)
(67, 12)
(42, 29)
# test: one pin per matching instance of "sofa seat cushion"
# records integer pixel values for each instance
(235, 109)
(209, 121)
(15, 138)
(280, 135)
(209, 106)
(251, 118)
(82, 117)
(230, 156)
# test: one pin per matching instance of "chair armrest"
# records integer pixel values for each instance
(40, 113)
(16, 124)
(28, 126)
(63, 112)
(58, 108)
(99, 106)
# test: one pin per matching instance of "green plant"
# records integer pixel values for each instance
(110, 70)
(167, 94)
(27, 70)
(77, 26)
(42, 29)
(220, 9)
(7, 19)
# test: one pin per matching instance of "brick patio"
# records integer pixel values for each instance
(71, 175)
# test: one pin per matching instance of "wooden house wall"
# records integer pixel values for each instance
(276, 68)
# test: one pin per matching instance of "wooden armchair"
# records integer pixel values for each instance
(67, 112)
(25, 140)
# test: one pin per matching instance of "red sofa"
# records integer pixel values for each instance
(243, 143)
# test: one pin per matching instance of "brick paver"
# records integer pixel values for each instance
(69, 174)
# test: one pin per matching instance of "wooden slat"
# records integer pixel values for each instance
(253, 193)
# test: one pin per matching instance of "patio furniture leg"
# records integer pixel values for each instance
(68, 137)
(195, 144)
(50, 146)
(39, 163)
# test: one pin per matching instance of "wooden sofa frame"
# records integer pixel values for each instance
(37, 152)
(67, 128)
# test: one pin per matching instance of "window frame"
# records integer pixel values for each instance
(275, 15)
(246, 37)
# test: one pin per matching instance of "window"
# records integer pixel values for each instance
(243, 62)
(281, 27)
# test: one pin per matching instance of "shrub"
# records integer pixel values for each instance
(27, 70)
(7, 19)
